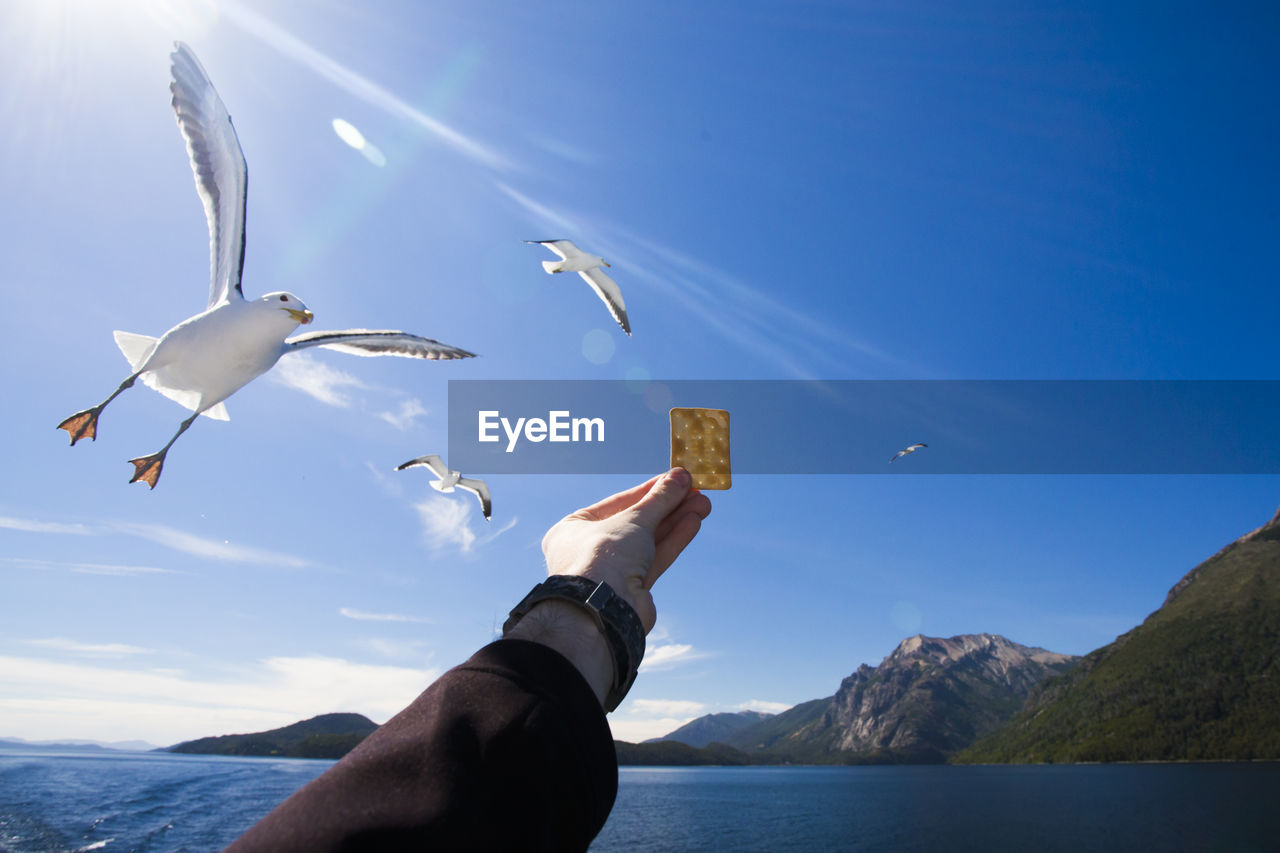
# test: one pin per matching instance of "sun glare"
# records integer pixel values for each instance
(65, 41)
(110, 21)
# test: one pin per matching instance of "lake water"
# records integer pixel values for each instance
(154, 802)
(1132, 807)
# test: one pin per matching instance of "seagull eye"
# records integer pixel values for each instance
(284, 299)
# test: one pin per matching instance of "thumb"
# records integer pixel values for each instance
(663, 497)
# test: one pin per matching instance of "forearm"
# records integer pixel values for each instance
(511, 750)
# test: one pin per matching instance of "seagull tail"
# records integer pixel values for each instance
(135, 348)
(552, 266)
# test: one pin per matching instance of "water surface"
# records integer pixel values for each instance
(61, 802)
(1228, 807)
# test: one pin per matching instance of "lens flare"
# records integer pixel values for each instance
(351, 135)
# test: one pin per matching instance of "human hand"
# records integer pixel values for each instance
(629, 539)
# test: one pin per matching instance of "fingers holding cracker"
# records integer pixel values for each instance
(669, 547)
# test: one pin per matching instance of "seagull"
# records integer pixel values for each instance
(207, 358)
(573, 259)
(907, 450)
(449, 479)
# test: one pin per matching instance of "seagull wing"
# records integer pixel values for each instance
(609, 292)
(432, 461)
(564, 248)
(912, 449)
(371, 342)
(222, 178)
(480, 490)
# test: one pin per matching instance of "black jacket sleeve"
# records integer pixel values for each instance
(508, 751)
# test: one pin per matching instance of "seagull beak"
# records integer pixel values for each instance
(606, 263)
(303, 317)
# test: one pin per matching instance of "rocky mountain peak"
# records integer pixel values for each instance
(932, 695)
(920, 650)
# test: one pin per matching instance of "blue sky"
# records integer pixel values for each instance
(786, 190)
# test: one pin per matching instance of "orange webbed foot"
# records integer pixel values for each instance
(82, 425)
(147, 469)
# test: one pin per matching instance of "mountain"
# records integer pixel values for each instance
(325, 736)
(74, 743)
(767, 733)
(1199, 679)
(673, 753)
(21, 745)
(713, 728)
(929, 698)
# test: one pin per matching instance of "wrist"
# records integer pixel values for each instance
(594, 616)
(569, 630)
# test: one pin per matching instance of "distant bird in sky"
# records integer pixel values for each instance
(449, 479)
(573, 259)
(207, 358)
(907, 450)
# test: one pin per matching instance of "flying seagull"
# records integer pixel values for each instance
(573, 259)
(449, 479)
(207, 358)
(907, 450)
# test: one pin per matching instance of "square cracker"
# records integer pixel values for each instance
(700, 445)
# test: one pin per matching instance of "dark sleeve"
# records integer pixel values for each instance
(508, 751)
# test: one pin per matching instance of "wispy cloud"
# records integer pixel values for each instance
(168, 537)
(489, 537)
(48, 698)
(334, 387)
(316, 379)
(366, 616)
(30, 526)
(389, 481)
(111, 569)
(406, 415)
(209, 549)
(765, 706)
(666, 656)
(395, 649)
(446, 522)
(669, 707)
(355, 84)
(62, 644)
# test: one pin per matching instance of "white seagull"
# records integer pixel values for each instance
(573, 259)
(449, 479)
(207, 358)
(906, 450)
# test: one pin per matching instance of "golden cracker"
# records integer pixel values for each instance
(700, 445)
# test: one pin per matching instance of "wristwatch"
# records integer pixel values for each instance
(615, 618)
